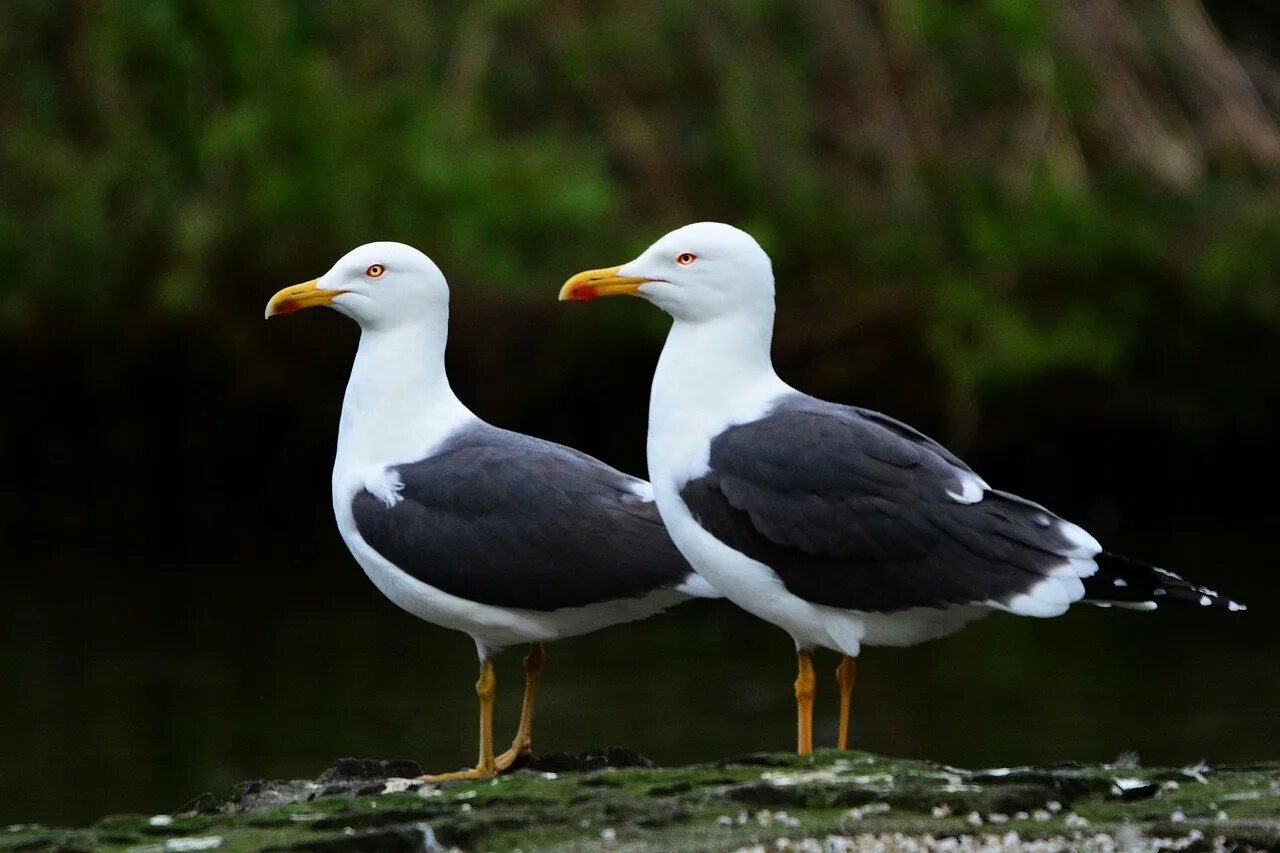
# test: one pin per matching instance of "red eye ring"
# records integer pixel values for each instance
(375, 271)
(686, 258)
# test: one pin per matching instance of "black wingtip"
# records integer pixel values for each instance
(1126, 582)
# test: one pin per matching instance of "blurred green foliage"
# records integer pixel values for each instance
(1032, 181)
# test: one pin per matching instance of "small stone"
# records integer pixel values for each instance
(723, 820)
(608, 836)
(1074, 821)
(160, 820)
(184, 844)
(941, 811)
(1177, 816)
(1040, 815)
(974, 819)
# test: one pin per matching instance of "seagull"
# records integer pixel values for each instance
(838, 524)
(507, 538)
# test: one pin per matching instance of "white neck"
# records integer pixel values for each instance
(398, 404)
(710, 373)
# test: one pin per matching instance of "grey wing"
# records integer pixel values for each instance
(507, 520)
(854, 510)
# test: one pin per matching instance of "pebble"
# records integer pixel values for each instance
(1123, 841)
(863, 811)
(208, 842)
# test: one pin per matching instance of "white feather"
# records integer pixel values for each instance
(1087, 546)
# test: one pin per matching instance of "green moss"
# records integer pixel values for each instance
(746, 801)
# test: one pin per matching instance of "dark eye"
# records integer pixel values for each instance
(375, 271)
(686, 258)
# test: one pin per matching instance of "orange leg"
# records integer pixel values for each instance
(804, 703)
(523, 743)
(486, 767)
(845, 674)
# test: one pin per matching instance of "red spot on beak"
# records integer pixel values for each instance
(288, 306)
(585, 293)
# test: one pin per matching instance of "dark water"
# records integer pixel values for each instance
(128, 690)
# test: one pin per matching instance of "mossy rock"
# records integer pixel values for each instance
(615, 799)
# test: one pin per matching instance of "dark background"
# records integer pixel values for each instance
(1048, 234)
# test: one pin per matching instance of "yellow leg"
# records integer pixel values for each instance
(845, 674)
(804, 703)
(523, 743)
(485, 767)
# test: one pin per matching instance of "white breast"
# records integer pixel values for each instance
(698, 393)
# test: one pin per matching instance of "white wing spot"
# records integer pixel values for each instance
(972, 488)
(1205, 601)
(641, 489)
(1127, 605)
(1120, 582)
(1235, 606)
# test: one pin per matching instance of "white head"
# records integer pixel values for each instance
(700, 272)
(379, 285)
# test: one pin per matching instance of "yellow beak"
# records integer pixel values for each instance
(604, 282)
(305, 295)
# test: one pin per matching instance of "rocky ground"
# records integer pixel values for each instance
(617, 800)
